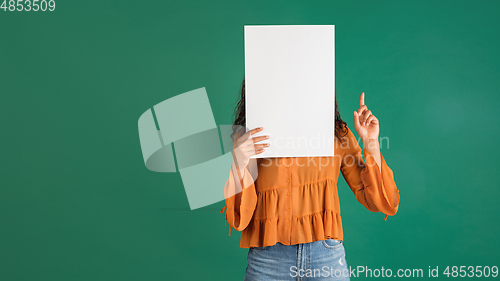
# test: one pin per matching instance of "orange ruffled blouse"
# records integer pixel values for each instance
(295, 199)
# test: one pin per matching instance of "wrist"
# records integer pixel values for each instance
(370, 144)
(240, 170)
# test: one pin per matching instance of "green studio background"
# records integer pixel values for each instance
(77, 202)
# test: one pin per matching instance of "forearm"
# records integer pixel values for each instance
(238, 171)
(373, 146)
(241, 198)
(238, 174)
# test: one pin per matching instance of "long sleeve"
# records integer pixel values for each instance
(240, 202)
(376, 190)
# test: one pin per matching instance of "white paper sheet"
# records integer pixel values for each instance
(290, 83)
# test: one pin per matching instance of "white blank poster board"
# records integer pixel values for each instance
(290, 87)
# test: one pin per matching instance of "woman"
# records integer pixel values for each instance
(289, 214)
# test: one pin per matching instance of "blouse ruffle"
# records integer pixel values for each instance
(320, 217)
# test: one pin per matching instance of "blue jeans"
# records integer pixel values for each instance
(319, 260)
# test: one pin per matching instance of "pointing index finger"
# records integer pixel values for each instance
(362, 99)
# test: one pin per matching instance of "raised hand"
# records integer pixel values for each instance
(365, 123)
(244, 147)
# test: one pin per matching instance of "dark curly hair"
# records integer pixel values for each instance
(239, 117)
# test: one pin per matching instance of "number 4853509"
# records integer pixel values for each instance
(28, 5)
